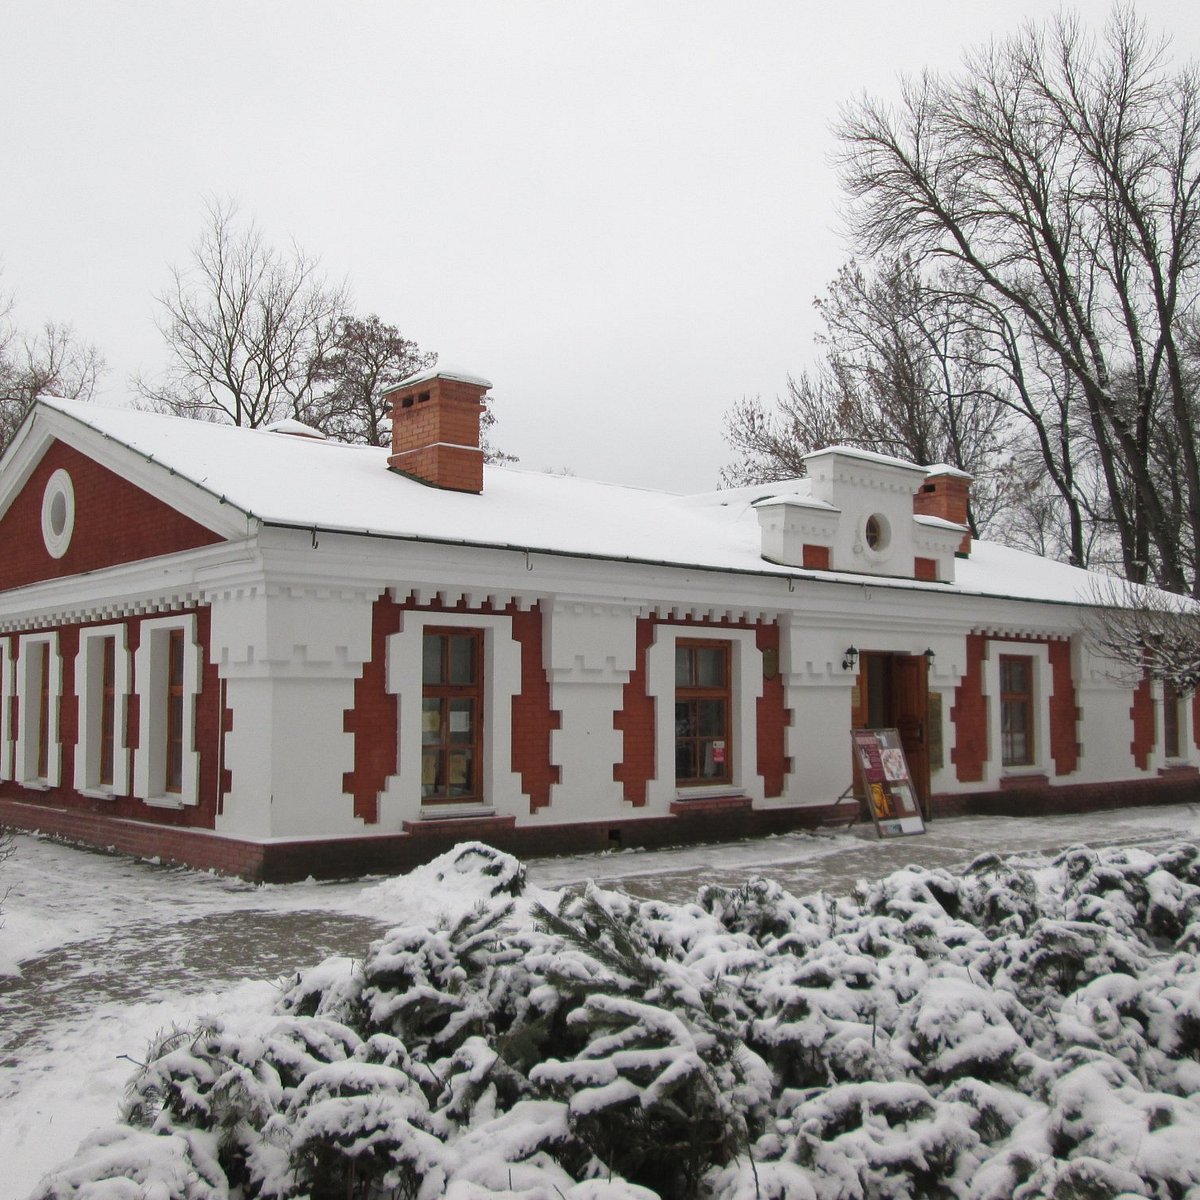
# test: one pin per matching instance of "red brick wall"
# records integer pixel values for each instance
(1064, 713)
(1141, 713)
(773, 718)
(969, 714)
(925, 568)
(207, 732)
(115, 522)
(948, 497)
(635, 720)
(815, 558)
(532, 717)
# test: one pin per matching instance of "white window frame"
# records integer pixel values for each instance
(1041, 684)
(89, 674)
(7, 692)
(150, 665)
(500, 784)
(745, 689)
(28, 705)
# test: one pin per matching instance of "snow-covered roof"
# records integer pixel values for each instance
(329, 485)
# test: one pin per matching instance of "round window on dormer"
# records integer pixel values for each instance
(876, 532)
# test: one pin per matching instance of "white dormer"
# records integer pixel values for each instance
(854, 513)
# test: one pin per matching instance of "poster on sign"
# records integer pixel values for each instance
(886, 776)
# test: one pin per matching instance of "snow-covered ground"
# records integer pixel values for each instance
(112, 951)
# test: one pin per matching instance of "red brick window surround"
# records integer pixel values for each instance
(451, 715)
(1016, 710)
(703, 753)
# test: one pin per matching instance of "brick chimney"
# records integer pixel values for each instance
(946, 493)
(435, 429)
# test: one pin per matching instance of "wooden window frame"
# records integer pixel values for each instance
(693, 693)
(445, 692)
(1017, 700)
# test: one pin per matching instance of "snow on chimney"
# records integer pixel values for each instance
(946, 493)
(435, 428)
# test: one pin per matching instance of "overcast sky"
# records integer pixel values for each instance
(620, 213)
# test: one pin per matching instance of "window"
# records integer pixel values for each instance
(102, 675)
(451, 715)
(702, 711)
(1016, 710)
(6, 693)
(1171, 699)
(167, 675)
(38, 683)
(173, 774)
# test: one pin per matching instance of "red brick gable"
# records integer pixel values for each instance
(115, 522)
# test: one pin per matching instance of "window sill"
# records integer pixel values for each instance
(35, 785)
(164, 801)
(455, 812)
(701, 792)
(1031, 777)
(98, 793)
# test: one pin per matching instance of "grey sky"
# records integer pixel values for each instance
(618, 212)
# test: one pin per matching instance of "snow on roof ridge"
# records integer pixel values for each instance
(886, 460)
(440, 372)
(947, 469)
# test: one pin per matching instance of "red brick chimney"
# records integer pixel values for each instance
(946, 493)
(435, 429)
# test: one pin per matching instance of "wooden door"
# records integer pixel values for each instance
(910, 716)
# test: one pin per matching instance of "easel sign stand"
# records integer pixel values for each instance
(890, 791)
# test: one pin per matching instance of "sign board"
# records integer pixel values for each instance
(890, 790)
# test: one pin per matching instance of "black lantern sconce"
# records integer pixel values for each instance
(850, 659)
(929, 656)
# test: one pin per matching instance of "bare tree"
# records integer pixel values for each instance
(247, 327)
(52, 362)
(1062, 178)
(1145, 632)
(365, 358)
(902, 375)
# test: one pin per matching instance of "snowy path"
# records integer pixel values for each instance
(112, 950)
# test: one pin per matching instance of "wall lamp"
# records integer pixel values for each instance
(929, 657)
(849, 659)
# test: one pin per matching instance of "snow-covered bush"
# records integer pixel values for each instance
(1026, 1028)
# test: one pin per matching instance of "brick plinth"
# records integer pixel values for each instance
(1070, 798)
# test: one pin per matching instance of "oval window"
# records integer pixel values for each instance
(58, 513)
(875, 533)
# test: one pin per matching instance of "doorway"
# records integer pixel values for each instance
(892, 692)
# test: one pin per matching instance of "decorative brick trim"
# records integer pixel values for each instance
(374, 719)
(1064, 712)
(772, 718)
(1141, 713)
(532, 717)
(815, 558)
(969, 715)
(925, 569)
(635, 720)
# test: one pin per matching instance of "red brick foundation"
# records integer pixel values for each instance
(1034, 801)
(339, 858)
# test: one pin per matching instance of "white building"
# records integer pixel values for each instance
(269, 653)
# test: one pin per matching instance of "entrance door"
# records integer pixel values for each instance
(893, 693)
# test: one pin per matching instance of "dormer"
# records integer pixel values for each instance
(854, 512)
(435, 428)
